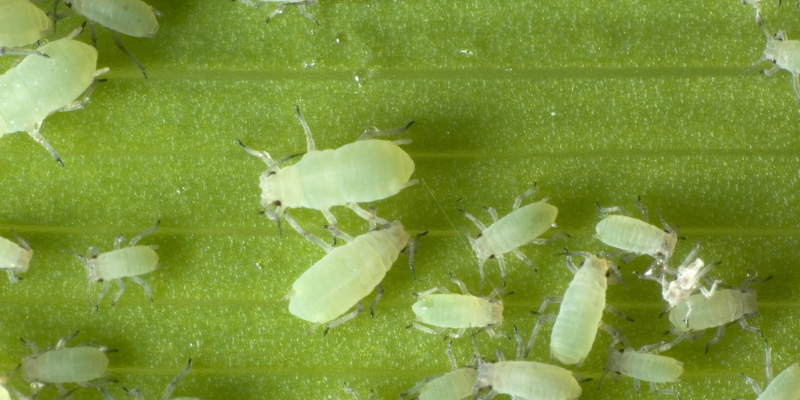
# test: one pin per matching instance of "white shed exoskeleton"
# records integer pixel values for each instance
(301, 5)
(785, 386)
(137, 394)
(458, 311)
(784, 53)
(40, 86)
(521, 226)
(15, 258)
(757, 5)
(348, 273)
(120, 263)
(363, 171)
(83, 364)
(635, 237)
(128, 17)
(524, 379)
(645, 365)
(21, 23)
(454, 385)
(582, 308)
(724, 306)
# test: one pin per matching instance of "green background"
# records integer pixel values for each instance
(597, 101)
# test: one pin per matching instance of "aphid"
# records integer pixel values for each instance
(301, 5)
(355, 393)
(784, 53)
(459, 311)
(524, 379)
(22, 23)
(635, 237)
(687, 281)
(582, 308)
(84, 364)
(128, 17)
(453, 385)
(137, 394)
(363, 171)
(347, 274)
(518, 228)
(724, 306)
(120, 263)
(15, 259)
(39, 86)
(786, 385)
(645, 365)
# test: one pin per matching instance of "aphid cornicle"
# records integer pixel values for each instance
(83, 364)
(120, 263)
(128, 17)
(458, 311)
(454, 385)
(784, 53)
(785, 386)
(582, 308)
(301, 5)
(521, 226)
(645, 365)
(363, 171)
(137, 394)
(40, 86)
(15, 258)
(21, 23)
(348, 273)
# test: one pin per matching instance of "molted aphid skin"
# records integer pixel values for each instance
(645, 365)
(459, 311)
(301, 5)
(21, 23)
(454, 385)
(757, 5)
(137, 394)
(15, 258)
(785, 386)
(784, 53)
(80, 364)
(40, 86)
(521, 226)
(120, 263)
(582, 307)
(636, 237)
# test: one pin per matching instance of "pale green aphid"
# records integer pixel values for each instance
(15, 258)
(785, 386)
(39, 86)
(128, 17)
(458, 311)
(784, 53)
(634, 237)
(521, 226)
(84, 364)
(582, 307)
(347, 274)
(301, 5)
(524, 379)
(137, 394)
(454, 385)
(21, 23)
(363, 171)
(643, 365)
(120, 263)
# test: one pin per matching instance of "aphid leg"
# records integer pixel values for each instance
(250, 3)
(311, 238)
(401, 142)
(143, 284)
(647, 348)
(474, 220)
(636, 386)
(144, 233)
(460, 285)
(93, 33)
(642, 208)
(63, 393)
(437, 331)
(171, 387)
(615, 311)
(345, 318)
(753, 279)
(608, 210)
(667, 227)
(102, 294)
(12, 277)
(121, 47)
(333, 227)
(656, 390)
(457, 334)
(418, 386)
(570, 265)
(157, 13)
(796, 86)
(629, 257)
(524, 259)
(495, 335)
(20, 52)
(767, 362)
(745, 326)
(441, 289)
(529, 192)
(378, 296)
(42, 141)
(411, 249)
(542, 319)
(135, 392)
(772, 71)
(520, 345)
(121, 286)
(717, 337)
(305, 13)
(63, 341)
(450, 358)
(492, 213)
(753, 384)
(277, 11)
(617, 276)
(501, 261)
(263, 155)
(309, 139)
(369, 216)
(615, 334)
(371, 133)
(106, 396)
(119, 241)
(22, 242)
(551, 239)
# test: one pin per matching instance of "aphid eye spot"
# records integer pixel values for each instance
(479, 235)
(608, 273)
(276, 203)
(68, 4)
(271, 173)
(621, 351)
(491, 256)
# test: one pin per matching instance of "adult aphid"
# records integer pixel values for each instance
(120, 263)
(301, 6)
(785, 386)
(645, 365)
(784, 53)
(454, 385)
(39, 86)
(22, 23)
(137, 394)
(128, 17)
(363, 171)
(15, 258)
(521, 226)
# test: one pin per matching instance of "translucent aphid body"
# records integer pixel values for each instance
(785, 54)
(458, 311)
(643, 365)
(454, 385)
(15, 258)
(21, 23)
(137, 394)
(40, 86)
(301, 5)
(521, 226)
(636, 237)
(120, 263)
(582, 307)
(363, 171)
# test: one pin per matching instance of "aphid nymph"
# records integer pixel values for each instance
(645, 365)
(22, 23)
(137, 394)
(784, 53)
(454, 385)
(15, 258)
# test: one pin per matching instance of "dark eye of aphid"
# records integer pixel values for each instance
(621, 350)
(271, 173)
(68, 4)
(99, 280)
(479, 235)
(491, 256)
(608, 273)
(93, 257)
(276, 203)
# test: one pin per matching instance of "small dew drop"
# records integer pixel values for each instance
(553, 114)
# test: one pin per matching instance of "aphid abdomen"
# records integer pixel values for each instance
(785, 386)
(129, 17)
(630, 234)
(454, 385)
(575, 328)
(724, 306)
(788, 55)
(649, 367)
(75, 364)
(456, 311)
(519, 227)
(21, 23)
(13, 257)
(128, 261)
(530, 380)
